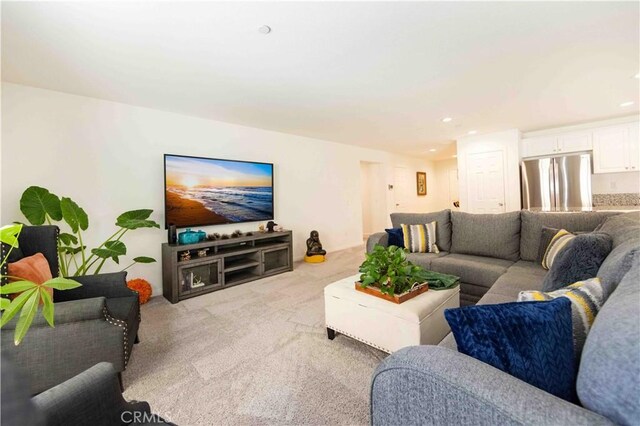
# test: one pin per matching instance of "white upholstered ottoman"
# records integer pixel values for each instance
(386, 325)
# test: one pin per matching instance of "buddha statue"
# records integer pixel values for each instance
(314, 246)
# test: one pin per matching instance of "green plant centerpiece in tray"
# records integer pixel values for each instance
(386, 273)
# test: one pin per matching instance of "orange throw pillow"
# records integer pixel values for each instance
(31, 268)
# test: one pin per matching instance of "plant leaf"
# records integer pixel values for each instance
(135, 219)
(70, 250)
(144, 259)
(9, 234)
(15, 306)
(36, 203)
(26, 317)
(4, 303)
(111, 249)
(47, 305)
(68, 239)
(60, 283)
(17, 287)
(74, 215)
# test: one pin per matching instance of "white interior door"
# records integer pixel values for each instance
(485, 178)
(403, 187)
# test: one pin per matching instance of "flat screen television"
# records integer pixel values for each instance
(209, 191)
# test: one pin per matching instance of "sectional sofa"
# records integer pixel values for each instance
(495, 255)
(489, 251)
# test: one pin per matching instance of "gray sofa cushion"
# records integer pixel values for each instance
(471, 293)
(528, 268)
(512, 283)
(493, 299)
(492, 235)
(478, 270)
(532, 223)
(610, 364)
(424, 259)
(618, 263)
(443, 225)
(621, 227)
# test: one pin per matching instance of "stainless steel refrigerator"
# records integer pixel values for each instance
(557, 183)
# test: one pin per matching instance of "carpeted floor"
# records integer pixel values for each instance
(254, 354)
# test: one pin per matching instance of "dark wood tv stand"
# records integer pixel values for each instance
(227, 263)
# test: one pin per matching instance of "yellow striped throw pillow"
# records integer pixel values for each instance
(558, 242)
(587, 297)
(420, 238)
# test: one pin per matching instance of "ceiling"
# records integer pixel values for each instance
(374, 74)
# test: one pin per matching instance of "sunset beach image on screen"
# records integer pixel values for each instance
(202, 191)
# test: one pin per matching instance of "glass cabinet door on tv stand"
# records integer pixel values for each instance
(196, 277)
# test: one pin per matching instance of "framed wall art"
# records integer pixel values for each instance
(421, 182)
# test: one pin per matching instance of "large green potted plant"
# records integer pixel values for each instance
(386, 273)
(40, 206)
(30, 296)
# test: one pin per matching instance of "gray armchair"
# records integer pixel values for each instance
(97, 322)
(92, 397)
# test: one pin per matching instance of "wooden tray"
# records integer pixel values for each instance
(396, 298)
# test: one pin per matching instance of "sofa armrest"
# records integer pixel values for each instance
(431, 385)
(381, 238)
(67, 312)
(93, 397)
(83, 336)
(102, 285)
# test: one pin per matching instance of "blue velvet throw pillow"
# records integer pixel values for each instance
(529, 340)
(396, 237)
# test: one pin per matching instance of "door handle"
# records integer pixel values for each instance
(397, 205)
(500, 204)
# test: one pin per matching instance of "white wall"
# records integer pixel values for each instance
(374, 189)
(107, 156)
(365, 194)
(615, 183)
(507, 141)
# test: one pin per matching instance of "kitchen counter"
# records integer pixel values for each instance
(622, 209)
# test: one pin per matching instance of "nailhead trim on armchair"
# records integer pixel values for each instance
(123, 325)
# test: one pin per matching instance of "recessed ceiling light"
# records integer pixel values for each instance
(447, 119)
(626, 104)
(265, 29)
(454, 156)
(637, 75)
(472, 132)
(432, 150)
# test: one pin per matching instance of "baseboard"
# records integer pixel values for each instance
(340, 248)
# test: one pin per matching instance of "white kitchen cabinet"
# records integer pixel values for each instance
(558, 144)
(574, 142)
(536, 147)
(616, 149)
